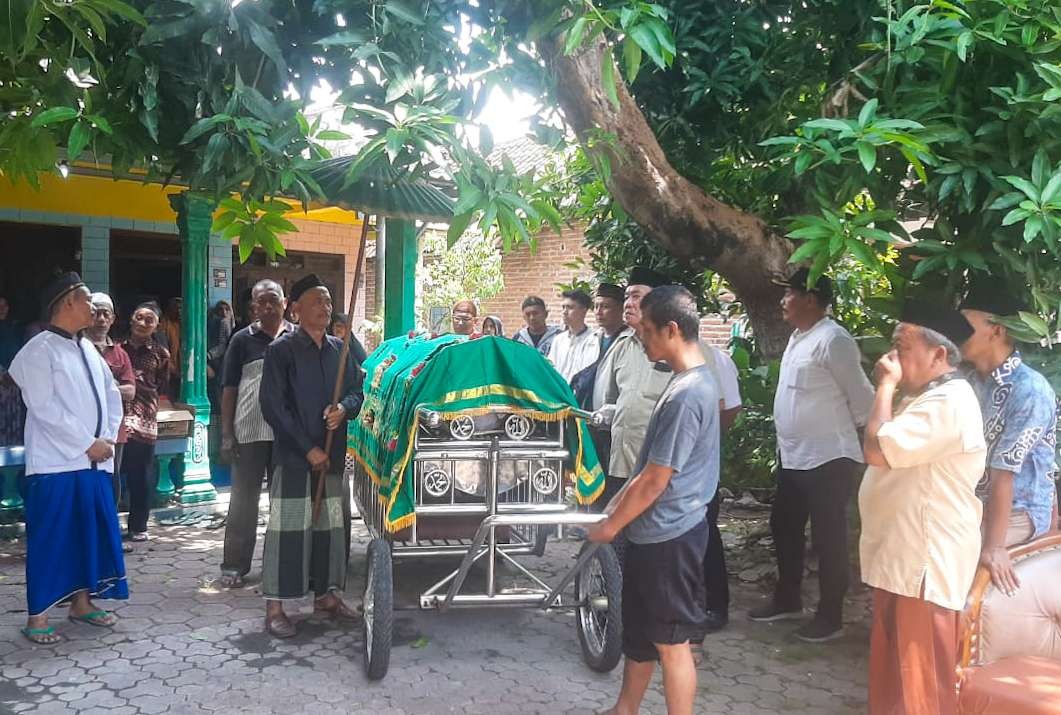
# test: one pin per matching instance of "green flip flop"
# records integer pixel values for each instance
(100, 619)
(42, 636)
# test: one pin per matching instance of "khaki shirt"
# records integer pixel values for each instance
(920, 516)
(627, 389)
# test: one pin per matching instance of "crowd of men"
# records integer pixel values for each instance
(937, 444)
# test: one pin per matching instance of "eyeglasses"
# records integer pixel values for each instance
(462, 318)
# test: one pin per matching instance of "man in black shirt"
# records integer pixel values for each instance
(299, 374)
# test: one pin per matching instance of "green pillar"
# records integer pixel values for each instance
(399, 293)
(164, 490)
(194, 217)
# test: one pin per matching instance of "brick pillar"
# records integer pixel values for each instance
(96, 258)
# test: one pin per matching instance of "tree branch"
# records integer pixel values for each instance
(680, 216)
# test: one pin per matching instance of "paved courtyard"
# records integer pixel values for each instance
(184, 646)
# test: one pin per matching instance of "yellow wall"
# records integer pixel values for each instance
(101, 196)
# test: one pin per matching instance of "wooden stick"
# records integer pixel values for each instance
(343, 356)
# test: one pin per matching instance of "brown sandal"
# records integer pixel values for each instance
(280, 626)
(339, 611)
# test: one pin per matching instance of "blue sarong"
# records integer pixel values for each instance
(73, 542)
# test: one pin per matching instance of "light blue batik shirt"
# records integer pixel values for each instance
(1020, 424)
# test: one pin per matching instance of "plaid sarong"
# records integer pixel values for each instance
(299, 556)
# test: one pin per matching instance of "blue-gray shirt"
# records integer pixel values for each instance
(1020, 424)
(683, 434)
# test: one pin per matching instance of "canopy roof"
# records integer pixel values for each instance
(382, 191)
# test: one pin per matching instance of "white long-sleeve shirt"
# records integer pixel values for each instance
(822, 397)
(570, 353)
(71, 399)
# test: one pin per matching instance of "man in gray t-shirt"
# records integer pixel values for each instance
(662, 509)
(683, 434)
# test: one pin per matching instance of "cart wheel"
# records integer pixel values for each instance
(379, 609)
(599, 591)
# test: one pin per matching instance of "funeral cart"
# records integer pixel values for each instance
(464, 450)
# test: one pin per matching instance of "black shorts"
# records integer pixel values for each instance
(664, 594)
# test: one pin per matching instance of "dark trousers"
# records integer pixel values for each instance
(116, 477)
(138, 460)
(820, 494)
(716, 579)
(249, 469)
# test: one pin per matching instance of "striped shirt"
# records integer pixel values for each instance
(243, 371)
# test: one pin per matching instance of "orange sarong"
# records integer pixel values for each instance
(913, 657)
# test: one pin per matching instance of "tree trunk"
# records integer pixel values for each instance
(677, 214)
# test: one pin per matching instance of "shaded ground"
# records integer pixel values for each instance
(184, 646)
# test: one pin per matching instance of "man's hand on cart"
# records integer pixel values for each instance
(333, 416)
(603, 532)
(318, 459)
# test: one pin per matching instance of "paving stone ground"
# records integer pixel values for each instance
(186, 647)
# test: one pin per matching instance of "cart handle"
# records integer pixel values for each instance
(433, 419)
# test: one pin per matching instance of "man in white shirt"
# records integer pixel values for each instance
(73, 412)
(577, 347)
(920, 539)
(823, 397)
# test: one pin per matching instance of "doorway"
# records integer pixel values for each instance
(144, 266)
(32, 255)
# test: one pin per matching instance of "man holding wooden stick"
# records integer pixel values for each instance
(306, 551)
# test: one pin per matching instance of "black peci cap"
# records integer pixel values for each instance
(610, 290)
(935, 316)
(798, 281)
(59, 288)
(642, 276)
(304, 284)
(992, 298)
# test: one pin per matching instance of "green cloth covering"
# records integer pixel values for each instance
(453, 375)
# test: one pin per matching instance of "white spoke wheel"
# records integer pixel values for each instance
(599, 595)
(379, 609)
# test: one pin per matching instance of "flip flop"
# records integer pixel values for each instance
(100, 619)
(42, 636)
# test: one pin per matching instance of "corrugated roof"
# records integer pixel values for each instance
(525, 153)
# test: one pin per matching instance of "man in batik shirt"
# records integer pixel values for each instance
(1020, 423)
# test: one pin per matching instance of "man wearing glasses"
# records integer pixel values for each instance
(463, 317)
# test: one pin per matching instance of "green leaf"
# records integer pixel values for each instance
(1014, 216)
(869, 110)
(607, 69)
(223, 221)
(817, 269)
(807, 250)
(486, 140)
(838, 125)
(53, 116)
(404, 11)
(265, 41)
(915, 161)
(1034, 322)
(396, 139)
(632, 56)
(331, 135)
(1052, 190)
(867, 154)
(1040, 167)
(646, 40)
(470, 198)
(1022, 184)
(575, 34)
(100, 123)
(863, 254)
(964, 42)
(926, 265)
(78, 139)
(1032, 226)
(202, 126)
(1006, 201)
(343, 38)
(811, 233)
(458, 226)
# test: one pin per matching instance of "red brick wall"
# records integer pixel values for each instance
(537, 273)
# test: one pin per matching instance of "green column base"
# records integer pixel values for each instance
(164, 490)
(197, 487)
(11, 504)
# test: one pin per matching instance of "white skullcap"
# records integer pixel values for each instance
(103, 300)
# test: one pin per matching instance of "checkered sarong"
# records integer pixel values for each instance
(299, 556)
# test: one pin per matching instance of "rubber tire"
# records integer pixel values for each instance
(379, 564)
(612, 652)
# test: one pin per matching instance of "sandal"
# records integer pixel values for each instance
(140, 536)
(231, 580)
(280, 626)
(340, 610)
(101, 619)
(42, 636)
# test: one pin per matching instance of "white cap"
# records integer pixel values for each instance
(102, 300)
